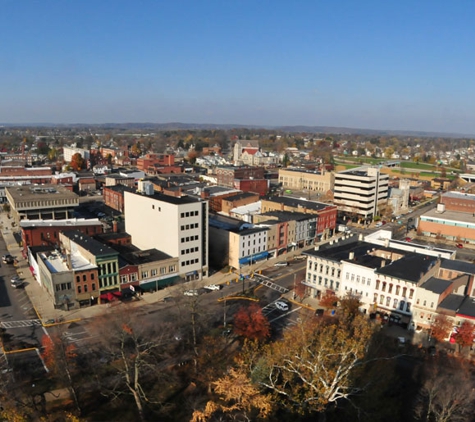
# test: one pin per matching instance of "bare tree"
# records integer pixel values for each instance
(137, 351)
(447, 394)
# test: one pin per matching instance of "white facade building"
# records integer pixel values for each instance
(177, 226)
(68, 153)
(360, 191)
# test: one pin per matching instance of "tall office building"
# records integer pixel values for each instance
(176, 225)
(360, 191)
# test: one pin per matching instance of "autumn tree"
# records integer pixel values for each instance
(238, 398)
(251, 323)
(314, 365)
(441, 327)
(465, 334)
(329, 299)
(77, 162)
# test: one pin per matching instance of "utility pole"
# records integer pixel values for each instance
(295, 276)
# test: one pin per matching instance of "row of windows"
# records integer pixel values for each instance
(189, 214)
(125, 278)
(424, 303)
(159, 208)
(84, 277)
(93, 287)
(249, 242)
(190, 262)
(107, 268)
(63, 286)
(389, 287)
(107, 281)
(189, 239)
(325, 268)
(190, 226)
(254, 250)
(358, 278)
(191, 250)
(153, 273)
(386, 301)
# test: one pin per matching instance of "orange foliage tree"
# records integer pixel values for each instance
(441, 327)
(251, 323)
(465, 334)
(329, 299)
(300, 289)
(77, 162)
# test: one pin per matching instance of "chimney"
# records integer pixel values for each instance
(352, 256)
(360, 237)
(205, 193)
(114, 226)
(317, 247)
(383, 263)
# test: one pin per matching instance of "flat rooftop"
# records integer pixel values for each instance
(300, 203)
(70, 222)
(88, 243)
(175, 200)
(447, 215)
(38, 192)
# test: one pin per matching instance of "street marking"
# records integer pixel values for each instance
(20, 324)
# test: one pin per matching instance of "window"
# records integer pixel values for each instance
(352, 277)
(384, 286)
(401, 305)
(369, 282)
(375, 298)
(432, 304)
(395, 304)
(93, 286)
(398, 288)
(424, 303)
(78, 279)
(79, 289)
(377, 284)
(144, 274)
(85, 288)
(381, 299)
(357, 278)
(153, 273)
(320, 280)
(348, 277)
(172, 268)
(124, 279)
(363, 280)
(133, 277)
(92, 277)
(84, 277)
(417, 301)
(411, 293)
(404, 291)
(408, 307)
(388, 301)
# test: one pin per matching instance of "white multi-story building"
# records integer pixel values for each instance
(68, 153)
(407, 282)
(176, 225)
(360, 191)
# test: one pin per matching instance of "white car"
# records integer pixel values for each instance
(282, 306)
(213, 287)
(281, 264)
(191, 293)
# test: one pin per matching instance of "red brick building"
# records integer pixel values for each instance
(86, 283)
(458, 201)
(46, 232)
(238, 200)
(152, 160)
(227, 175)
(260, 186)
(114, 196)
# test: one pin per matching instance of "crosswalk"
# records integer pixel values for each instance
(268, 282)
(20, 324)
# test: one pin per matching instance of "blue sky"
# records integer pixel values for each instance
(367, 64)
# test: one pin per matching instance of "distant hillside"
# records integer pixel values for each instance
(210, 126)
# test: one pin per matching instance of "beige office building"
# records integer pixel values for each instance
(300, 179)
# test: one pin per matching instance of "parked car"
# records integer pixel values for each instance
(282, 306)
(191, 292)
(8, 259)
(459, 245)
(407, 239)
(281, 264)
(378, 224)
(16, 281)
(213, 287)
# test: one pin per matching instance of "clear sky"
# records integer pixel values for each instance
(367, 64)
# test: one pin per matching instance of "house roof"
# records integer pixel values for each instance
(410, 267)
(451, 302)
(299, 203)
(88, 243)
(436, 285)
(467, 307)
(460, 266)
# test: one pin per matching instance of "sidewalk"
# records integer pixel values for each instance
(43, 304)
